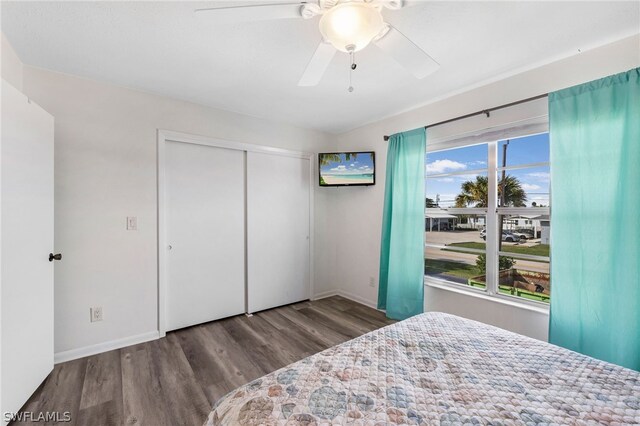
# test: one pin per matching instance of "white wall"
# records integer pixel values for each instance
(105, 161)
(354, 215)
(105, 170)
(10, 64)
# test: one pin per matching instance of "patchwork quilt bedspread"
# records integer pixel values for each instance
(438, 369)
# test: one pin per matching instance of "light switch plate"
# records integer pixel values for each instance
(132, 223)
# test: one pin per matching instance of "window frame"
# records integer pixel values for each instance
(492, 214)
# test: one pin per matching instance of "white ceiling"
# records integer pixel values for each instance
(253, 68)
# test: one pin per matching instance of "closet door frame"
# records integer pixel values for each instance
(165, 136)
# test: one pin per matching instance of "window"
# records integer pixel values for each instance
(487, 224)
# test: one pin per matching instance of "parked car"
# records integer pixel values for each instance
(506, 236)
(521, 235)
(510, 237)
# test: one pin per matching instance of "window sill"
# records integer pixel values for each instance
(444, 285)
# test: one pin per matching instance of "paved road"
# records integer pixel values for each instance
(470, 259)
(448, 237)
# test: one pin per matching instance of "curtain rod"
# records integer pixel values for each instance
(487, 112)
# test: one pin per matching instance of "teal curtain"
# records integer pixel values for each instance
(595, 232)
(401, 289)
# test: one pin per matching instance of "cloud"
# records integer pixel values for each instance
(530, 187)
(448, 179)
(443, 166)
(344, 171)
(476, 163)
(466, 177)
(540, 176)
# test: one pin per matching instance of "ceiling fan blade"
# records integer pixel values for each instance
(317, 65)
(407, 53)
(255, 12)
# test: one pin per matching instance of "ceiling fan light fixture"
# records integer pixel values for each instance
(351, 24)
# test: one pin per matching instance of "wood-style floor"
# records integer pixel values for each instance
(177, 379)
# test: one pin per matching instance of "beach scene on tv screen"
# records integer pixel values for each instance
(346, 168)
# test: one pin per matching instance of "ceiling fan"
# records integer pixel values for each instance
(346, 25)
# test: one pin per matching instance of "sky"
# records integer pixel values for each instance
(362, 164)
(526, 150)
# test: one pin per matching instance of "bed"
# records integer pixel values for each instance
(438, 369)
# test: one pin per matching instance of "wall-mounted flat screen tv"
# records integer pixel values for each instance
(347, 168)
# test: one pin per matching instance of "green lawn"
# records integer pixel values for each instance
(456, 269)
(537, 250)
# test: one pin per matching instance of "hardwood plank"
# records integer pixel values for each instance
(185, 403)
(268, 359)
(330, 335)
(230, 354)
(338, 302)
(358, 319)
(349, 307)
(296, 339)
(218, 390)
(375, 317)
(143, 400)
(200, 351)
(332, 322)
(245, 334)
(275, 319)
(102, 414)
(176, 380)
(260, 335)
(61, 389)
(358, 325)
(102, 381)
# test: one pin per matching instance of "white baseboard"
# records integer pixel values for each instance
(358, 299)
(324, 294)
(104, 347)
(346, 295)
(153, 335)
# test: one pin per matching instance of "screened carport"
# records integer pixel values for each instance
(436, 221)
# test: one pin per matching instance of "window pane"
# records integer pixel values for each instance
(525, 150)
(443, 228)
(524, 187)
(457, 160)
(523, 236)
(460, 234)
(457, 191)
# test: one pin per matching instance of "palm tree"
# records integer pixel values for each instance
(476, 193)
(335, 158)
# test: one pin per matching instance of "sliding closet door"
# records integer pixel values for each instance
(204, 205)
(277, 230)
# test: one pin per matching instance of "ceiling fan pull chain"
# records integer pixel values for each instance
(353, 66)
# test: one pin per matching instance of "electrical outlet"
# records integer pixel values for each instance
(372, 281)
(96, 313)
(132, 223)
